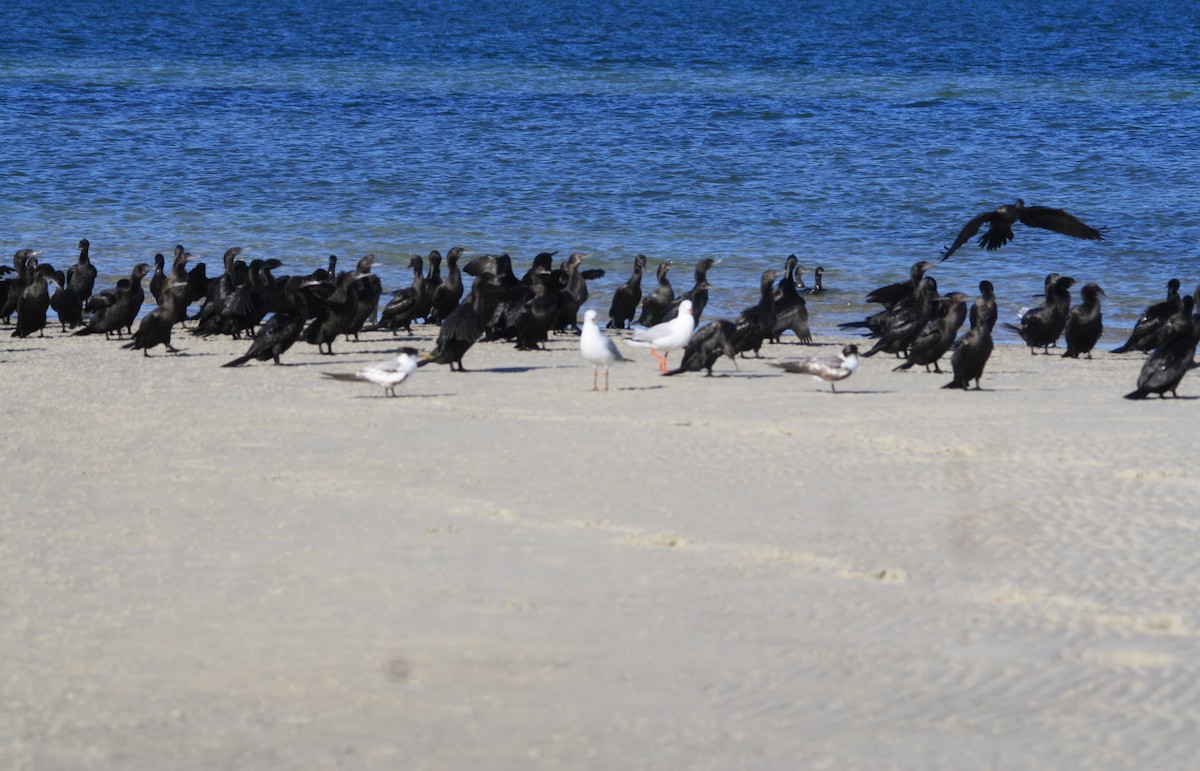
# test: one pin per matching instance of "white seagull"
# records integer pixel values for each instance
(597, 349)
(828, 368)
(388, 374)
(668, 336)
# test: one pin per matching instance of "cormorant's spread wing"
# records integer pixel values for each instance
(1059, 221)
(970, 229)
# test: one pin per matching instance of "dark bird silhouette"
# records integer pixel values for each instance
(24, 263)
(1084, 323)
(791, 310)
(539, 313)
(938, 334)
(448, 293)
(755, 324)
(697, 295)
(1151, 328)
(155, 327)
(34, 302)
(572, 295)
(285, 326)
(831, 369)
(626, 298)
(970, 356)
(65, 304)
(657, 302)
(984, 311)
(818, 277)
(158, 278)
(81, 277)
(463, 326)
(403, 309)
(894, 294)
(335, 313)
(1001, 219)
(904, 322)
(370, 289)
(115, 309)
(1042, 326)
(1169, 362)
(706, 345)
(221, 291)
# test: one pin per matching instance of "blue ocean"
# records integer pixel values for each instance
(858, 136)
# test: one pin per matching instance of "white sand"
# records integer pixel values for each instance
(256, 568)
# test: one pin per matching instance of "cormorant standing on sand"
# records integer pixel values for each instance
(1170, 361)
(904, 322)
(572, 295)
(1084, 323)
(116, 308)
(81, 277)
(938, 334)
(65, 303)
(831, 369)
(698, 294)
(970, 356)
(448, 293)
(464, 325)
(1151, 325)
(1001, 219)
(284, 327)
(707, 344)
(983, 310)
(626, 298)
(155, 328)
(34, 302)
(1043, 326)
(403, 309)
(757, 322)
(791, 311)
(25, 264)
(657, 302)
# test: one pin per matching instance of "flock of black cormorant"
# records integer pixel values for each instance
(916, 323)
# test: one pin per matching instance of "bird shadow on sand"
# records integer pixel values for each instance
(1167, 399)
(635, 388)
(374, 397)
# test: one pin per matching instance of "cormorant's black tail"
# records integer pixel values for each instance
(239, 361)
(1141, 393)
(955, 384)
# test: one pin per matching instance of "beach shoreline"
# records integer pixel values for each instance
(259, 567)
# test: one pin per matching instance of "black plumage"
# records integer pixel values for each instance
(660, 298)
(970, 356)
(81, 277)
(448, 293)
(285, 326)
(115, 309)
(791, 310)
(572, 295)
(697, 295)
(904, 322)
(1150, 328)
(626, 298)
(706, 345)
(34, 302)
(155, 327)
(1043, 325)
(1085, 323)
(463, 327)
(1001, 219)
(406, 304)
(1170, 361)
(65, 303)
(938, 333)
(984, 311)
(755, 323)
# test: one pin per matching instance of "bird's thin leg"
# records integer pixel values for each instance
(606, 378)
(595, 378)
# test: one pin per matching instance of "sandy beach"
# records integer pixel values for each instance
(259, 568)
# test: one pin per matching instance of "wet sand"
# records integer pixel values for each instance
(260, 568)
